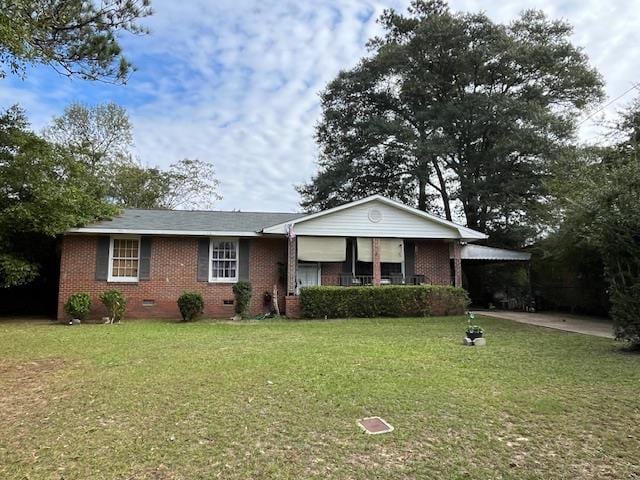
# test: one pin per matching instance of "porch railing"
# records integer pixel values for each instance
(349, 280)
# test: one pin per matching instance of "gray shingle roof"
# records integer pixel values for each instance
(190, 220)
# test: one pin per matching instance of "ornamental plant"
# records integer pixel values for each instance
(78, 305)
(191, 305)
(474, 329)
(116, 304)
(242, 293)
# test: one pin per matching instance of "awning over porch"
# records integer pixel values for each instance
(481, 252)
(322, 249)
(391, 250)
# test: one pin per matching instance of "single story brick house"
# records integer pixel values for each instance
(153, 256)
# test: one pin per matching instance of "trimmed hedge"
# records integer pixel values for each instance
(384, 301)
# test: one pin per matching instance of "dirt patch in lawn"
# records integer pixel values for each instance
(161, 472)
(26, 386)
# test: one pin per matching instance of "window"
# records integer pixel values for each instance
(224, 260)
(124, 259)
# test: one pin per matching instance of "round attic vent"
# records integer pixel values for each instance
(375, 215)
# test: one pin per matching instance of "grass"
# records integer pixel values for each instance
(280, 399)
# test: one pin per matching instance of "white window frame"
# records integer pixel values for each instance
(213, 279)
(110, 277)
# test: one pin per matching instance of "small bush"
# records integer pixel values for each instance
(385, 301)
(625, 311)
(191, 305)
(78, 305)
(242, 292)
(115, 303)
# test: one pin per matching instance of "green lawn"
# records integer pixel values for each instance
(280, 400)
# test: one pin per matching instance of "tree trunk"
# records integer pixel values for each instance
(470, 207)
(422, 192)
(444, 194)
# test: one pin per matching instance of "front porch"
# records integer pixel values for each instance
(372, 241)
(364, 261)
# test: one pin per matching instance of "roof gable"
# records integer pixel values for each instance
(377, 216)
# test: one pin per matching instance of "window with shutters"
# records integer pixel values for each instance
(124, 259)
(223, 260)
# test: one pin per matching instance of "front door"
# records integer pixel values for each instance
(308, 275)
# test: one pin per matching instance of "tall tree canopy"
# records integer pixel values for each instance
(454, 107)
(97, 136)
(75, 37)
(101, 138)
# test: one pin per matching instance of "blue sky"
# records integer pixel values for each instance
(237, 82)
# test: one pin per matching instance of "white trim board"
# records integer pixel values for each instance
(133, 231)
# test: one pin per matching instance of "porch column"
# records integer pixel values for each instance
(457, 263)
(292, 265)
(375, 254)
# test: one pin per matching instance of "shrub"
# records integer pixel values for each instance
(78, 305)
(475, 329)
(385, 301)
(242, 292)
(115, 303)
(191, 305)
(625, 311)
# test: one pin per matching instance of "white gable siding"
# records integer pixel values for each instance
(355, 222)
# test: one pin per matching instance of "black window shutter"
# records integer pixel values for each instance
(145, 258)
(409, 258)
(102, 257)
(243, 261)
(203, 260)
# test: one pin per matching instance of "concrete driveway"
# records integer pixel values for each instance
(599, 327)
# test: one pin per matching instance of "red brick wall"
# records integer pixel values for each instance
(432, 261)
(173, 270)
(293, 306)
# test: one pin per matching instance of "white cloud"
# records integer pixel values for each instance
(237, 82)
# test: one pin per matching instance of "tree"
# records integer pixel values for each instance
(44, 192)
(192, 184)
(98, 136)
(456, 107)
(597, 197)
(186, 184)
(134, 186)
(77, 38)
(101, 138)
